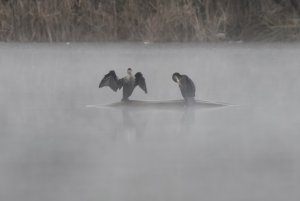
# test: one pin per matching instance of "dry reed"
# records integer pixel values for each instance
(151, 20)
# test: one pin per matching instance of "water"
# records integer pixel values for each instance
(54, 147)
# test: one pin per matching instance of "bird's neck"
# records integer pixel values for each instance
(129, 77)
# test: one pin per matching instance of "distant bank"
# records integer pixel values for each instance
(151, 20)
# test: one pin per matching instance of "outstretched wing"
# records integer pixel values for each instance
(111, 80)
(140, 81)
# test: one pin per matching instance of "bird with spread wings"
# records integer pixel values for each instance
(128, 82)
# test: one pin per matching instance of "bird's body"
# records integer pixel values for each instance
(128, 86)
(186, 86)
(128, 83)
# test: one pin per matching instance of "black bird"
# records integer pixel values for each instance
(128, 82)
(186, 86)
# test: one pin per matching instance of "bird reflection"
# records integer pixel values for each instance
(131, 129)
(187, 120)
(131, 122)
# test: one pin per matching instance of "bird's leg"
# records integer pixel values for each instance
(125, 99)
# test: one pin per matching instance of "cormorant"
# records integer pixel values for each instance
(186, 86)
(128, 82)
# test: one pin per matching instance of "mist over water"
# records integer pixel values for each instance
(54, 147)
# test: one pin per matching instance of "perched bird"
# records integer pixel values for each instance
(186, 86)
(128, 82)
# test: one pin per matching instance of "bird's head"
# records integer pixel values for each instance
(176, 77)
(129, 71)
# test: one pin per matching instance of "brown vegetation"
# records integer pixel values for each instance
(149, 20)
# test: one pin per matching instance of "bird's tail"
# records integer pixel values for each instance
(189, 100)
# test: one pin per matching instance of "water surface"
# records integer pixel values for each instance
(54, 147)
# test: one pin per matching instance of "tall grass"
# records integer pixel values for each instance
(151, 20)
